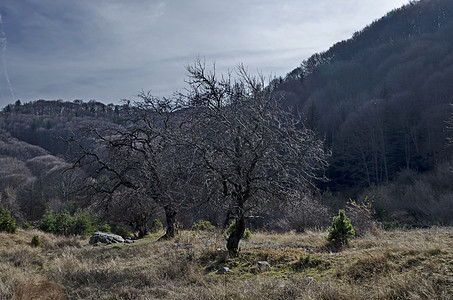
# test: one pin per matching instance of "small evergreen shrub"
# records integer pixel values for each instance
(246, 236)
(203, 226)
(63, 223)
(26, 225)
(48, 222)
(102, 226)
(156, 226)
(78, 224)
(82, 224)
(36, 241)
(305, 260)
(341, 230)
(7, 222)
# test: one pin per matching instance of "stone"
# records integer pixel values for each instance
(223, 270)
(264, 266)
(129, 241)
(309, 280)
(105, 238)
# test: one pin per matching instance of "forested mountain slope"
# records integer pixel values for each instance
(381, 98)
(49, 124)
(35, 156)
(31, 179)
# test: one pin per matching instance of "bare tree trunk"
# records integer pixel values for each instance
(170, 215)
(236, 235)
(229, 216)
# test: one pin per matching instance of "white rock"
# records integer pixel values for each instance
(105, 237)
(264, 265)
(223, 270)
(309, 280)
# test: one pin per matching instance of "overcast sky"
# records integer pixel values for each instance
(110, 49)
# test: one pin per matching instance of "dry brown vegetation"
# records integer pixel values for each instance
(413, 264)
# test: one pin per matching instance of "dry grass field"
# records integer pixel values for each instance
(401, 264)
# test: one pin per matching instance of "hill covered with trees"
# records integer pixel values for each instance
(381, 101)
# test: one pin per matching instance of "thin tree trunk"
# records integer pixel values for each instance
(170, 215)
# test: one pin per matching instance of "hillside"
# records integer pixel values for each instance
(382, 98)
(416, 264)
(32, 180)
(381, 101)
(36, 158)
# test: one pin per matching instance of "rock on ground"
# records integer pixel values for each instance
(264, 266)
(223, 270)
(106, 238)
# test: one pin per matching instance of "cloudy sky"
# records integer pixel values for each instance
(110, 49)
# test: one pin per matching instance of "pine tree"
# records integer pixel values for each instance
(341, 230)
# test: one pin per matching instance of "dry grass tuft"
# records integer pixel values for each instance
(10, 277)
(367, 266)
(180, 265)
(312, 239)
(38, 288)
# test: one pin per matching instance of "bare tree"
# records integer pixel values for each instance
(145, 157)
(252, 150)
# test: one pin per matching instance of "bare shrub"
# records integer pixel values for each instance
(304, 214)
(361, 216)
(417, 199)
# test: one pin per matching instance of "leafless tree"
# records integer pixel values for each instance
(252, 150)
(144, 155)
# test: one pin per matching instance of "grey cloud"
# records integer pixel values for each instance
(111, 49)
